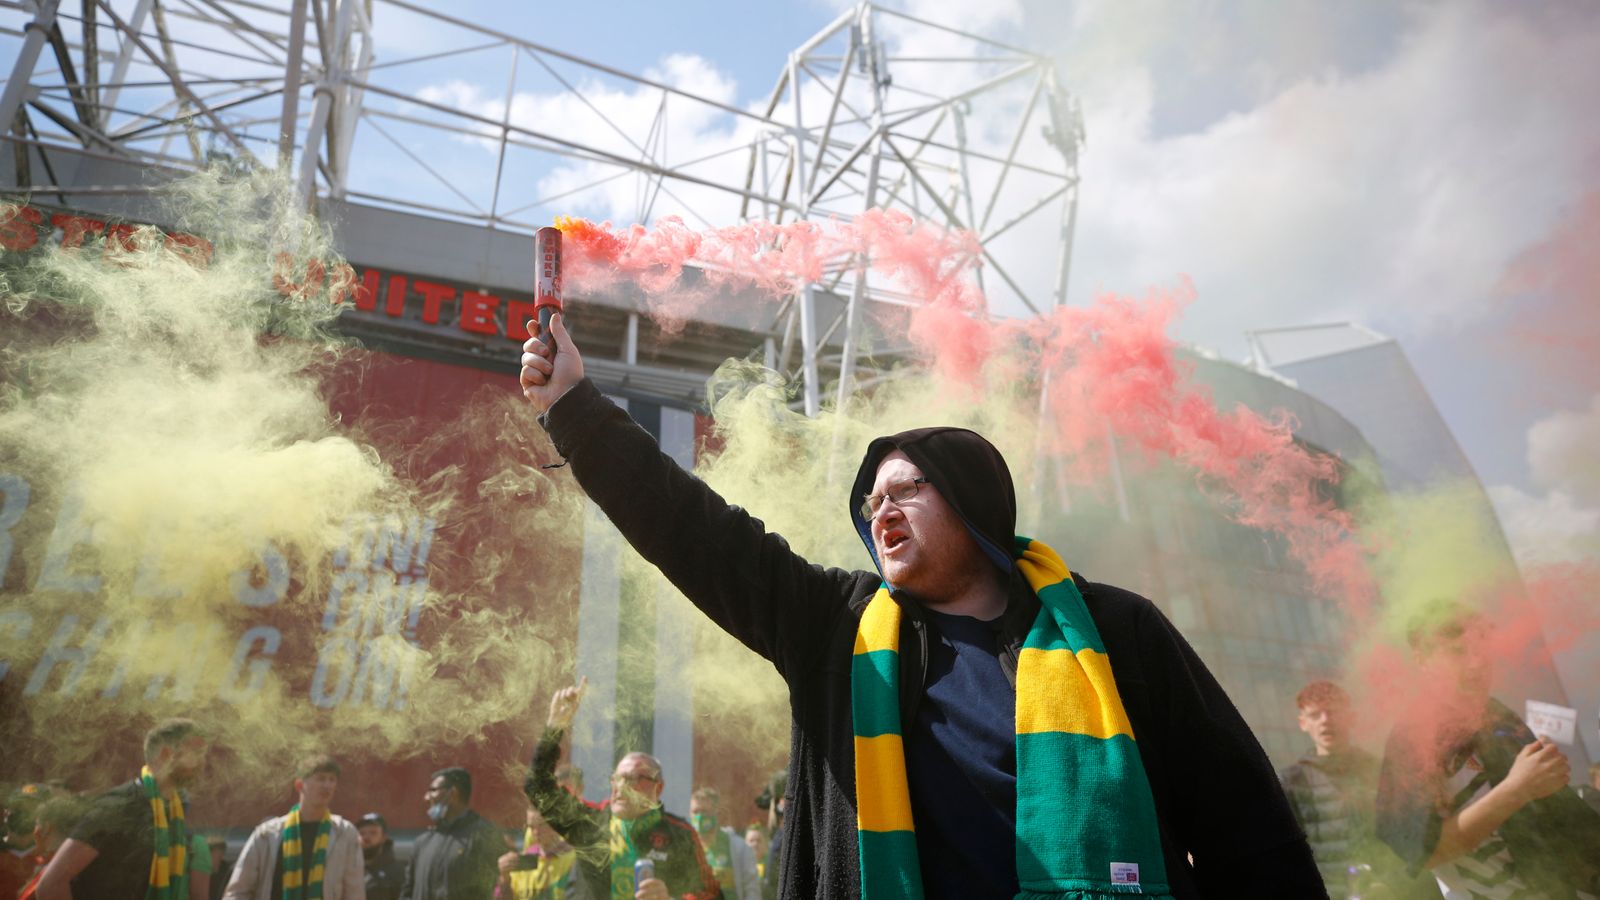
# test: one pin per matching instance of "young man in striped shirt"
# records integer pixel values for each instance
(1474, 796)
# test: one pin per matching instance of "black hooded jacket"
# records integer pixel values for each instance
(1217, 797)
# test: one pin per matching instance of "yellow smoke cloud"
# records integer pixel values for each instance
(190, 531)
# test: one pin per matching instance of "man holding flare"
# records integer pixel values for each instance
(972, 719)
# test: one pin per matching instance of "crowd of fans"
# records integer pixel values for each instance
(1464, 804)
(1484, 810)
(133, 841)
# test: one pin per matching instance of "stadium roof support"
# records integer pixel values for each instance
(878, 109)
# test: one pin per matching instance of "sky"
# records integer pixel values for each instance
(1429, 170)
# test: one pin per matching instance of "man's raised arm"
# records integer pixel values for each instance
(748, 581)
(577, 823)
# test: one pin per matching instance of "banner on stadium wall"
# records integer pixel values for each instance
(377, 584)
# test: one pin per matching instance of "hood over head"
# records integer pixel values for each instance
(969, 473)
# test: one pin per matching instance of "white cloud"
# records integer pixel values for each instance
(696, 130)
(1561, 521)
(1546, 528)
(1564, 452)
(1396, 196)
(1389, 190)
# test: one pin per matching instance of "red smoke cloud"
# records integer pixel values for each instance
(1114, 374)
(1555, 326)
(1517, 626)
(1112, 366)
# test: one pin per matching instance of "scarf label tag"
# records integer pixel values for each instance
(1124, 873)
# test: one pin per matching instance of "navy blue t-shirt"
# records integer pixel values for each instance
(961, 759)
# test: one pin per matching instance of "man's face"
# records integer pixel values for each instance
(635, 788)
(1328, 725)
(187, 762)
(1460, 658)
(438, 792)
(44, 837)
(703, 813)
(922, 543)
(316, 790)
(371, 836)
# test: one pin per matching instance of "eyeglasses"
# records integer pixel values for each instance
(899, 492)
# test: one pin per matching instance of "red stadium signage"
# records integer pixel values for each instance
(22, 227)
(477, 311)
(434, 302)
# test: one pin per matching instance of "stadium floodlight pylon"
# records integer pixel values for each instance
(392, 104)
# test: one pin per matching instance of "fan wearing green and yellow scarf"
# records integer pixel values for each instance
(973, 718)
(309, 854)
(134, 840)
(614, 839)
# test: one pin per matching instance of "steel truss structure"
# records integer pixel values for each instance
(878, 109)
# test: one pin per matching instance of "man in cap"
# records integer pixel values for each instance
(385, 875)
(972, 719)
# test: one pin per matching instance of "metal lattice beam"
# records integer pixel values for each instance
(864, 114)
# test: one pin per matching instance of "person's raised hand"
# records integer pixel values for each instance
(508, 863)
(1539, 770)
(546, 373)
(564, 704)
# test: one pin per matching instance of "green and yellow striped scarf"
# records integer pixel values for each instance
(1086, 818)
(624, 853)
(169, 868)
(293, 867)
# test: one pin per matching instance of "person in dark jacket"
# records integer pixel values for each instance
(221, 868)
(458, 858)
(984, 664)
(1470, 792)
(1333, 792)
(771, 800)
(135, 838)
(629, 827)
(385, 875)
